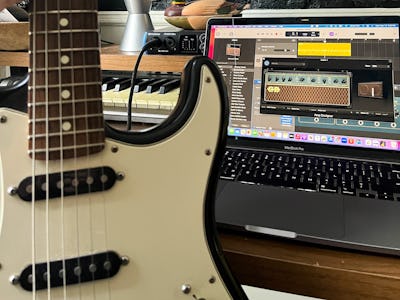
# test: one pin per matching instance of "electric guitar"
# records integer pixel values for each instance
(91, 212)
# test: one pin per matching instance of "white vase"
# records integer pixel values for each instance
(137, 24)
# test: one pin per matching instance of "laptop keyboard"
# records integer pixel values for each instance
(314, 174)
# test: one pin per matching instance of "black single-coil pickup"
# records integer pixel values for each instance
(77, 270)
(76, 182)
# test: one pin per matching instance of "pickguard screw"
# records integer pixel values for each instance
(14, 279)
(186, 288)
(208, 152)
(3, 119)
(114, 149)
(124, 260)
(120, 176)
(212, 280)
(12, 190)
(208, 79)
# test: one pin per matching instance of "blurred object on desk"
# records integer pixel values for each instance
(14, 29)
(137, 25)
(196, 14)
(18, 13)
(6, 16)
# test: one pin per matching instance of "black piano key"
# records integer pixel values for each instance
(110, 84)
(106, 79)
(169, 86)
(126, 83)
(155, 86)
(142, 86)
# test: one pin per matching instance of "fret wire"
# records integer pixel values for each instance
(41, 150)
(66, 50)
(74, 117)
(66, 133)
(95, 84)
(68, 68)
(67, 31)
(89, 11)
(77, 101)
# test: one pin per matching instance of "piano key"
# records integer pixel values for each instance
(110, 84)
(108, 98)
(146, 107)
(142, 86)
(155, 86)
(169, 86)
(120, 99)
(125, 84)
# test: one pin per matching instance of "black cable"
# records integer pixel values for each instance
(152, 43)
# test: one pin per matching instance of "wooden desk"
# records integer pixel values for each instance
(112, 59)
(278, 265)
(310, 270)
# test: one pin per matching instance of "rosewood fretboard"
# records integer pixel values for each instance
(64, 104)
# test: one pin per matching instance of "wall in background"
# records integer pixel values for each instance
(118, 5)
(291, 4)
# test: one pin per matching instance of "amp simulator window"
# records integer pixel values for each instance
(319, 83)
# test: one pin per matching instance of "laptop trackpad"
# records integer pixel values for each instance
(304, 213)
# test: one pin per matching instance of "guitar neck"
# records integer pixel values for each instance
(64, 101)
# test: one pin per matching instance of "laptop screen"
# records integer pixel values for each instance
(331, 80)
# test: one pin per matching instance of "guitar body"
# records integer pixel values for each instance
(158, 216)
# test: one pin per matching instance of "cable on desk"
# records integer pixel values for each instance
(147, 46)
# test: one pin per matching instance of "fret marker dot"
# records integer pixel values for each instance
(65, 59)
(64, 22)
(66, 126)
(65, 94)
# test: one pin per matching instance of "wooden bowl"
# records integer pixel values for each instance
(192, 22)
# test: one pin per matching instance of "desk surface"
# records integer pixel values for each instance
(112, 59)
(278, 265)
(309, 270)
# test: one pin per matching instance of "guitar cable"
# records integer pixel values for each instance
(150, 44)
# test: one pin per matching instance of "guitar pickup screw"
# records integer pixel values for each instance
(120, 176)
(12, 190)
(14, 279)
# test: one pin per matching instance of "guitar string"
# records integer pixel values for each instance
(61, 114)
(101, 125)
(89, 178)
(33, 126)
(75, 154)
(47, 221)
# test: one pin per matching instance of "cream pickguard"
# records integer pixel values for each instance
(154, 216)
(151, 233)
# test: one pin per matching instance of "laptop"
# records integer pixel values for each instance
(314, 130)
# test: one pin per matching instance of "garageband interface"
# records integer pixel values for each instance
(320, 83)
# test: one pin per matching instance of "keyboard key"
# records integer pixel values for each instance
(348, 191)
(386, 196)
(351, 178)
(328, 188)
(367, 195)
